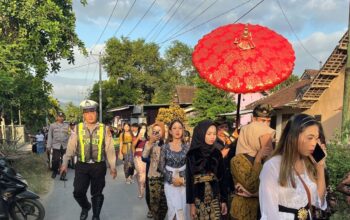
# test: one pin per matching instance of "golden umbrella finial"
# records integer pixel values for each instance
(245, 42)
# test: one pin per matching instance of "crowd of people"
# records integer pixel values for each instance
(218, 174)
(215, 174)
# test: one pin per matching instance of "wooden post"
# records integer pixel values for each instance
(345, 129)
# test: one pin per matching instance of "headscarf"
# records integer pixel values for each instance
(198, 138)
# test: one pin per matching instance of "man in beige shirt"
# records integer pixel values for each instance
(93, 144)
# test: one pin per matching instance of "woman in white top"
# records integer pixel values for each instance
(289, 180)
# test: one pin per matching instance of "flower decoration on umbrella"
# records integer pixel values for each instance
(243, 58)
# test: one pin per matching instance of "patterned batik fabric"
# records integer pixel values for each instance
(129, 162)
(158, 204)
(245, 173)
(209, 207)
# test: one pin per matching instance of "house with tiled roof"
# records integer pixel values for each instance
(184, 94)
(147, 113)
(318, 93)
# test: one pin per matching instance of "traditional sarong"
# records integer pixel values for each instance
(209, 207)
(129, 162)
(158, 205)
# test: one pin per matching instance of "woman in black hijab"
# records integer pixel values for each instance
(205, 187)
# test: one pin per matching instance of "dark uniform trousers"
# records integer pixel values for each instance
(57, 155)
(86, 174)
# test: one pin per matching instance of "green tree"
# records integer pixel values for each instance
(35, 36)
(135, 61)
(288, 82)
(179, 58)
(115, 93)
(210, 101)
(178, 71)
(73, 113)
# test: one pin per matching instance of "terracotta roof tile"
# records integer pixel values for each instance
(284, 96)
(184, 94)
(309, 74)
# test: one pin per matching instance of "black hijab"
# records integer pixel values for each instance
(198, 139)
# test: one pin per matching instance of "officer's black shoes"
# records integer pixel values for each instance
(84, 213)
(97, 202)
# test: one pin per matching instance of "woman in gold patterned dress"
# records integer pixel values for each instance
(205, 187)
(127, 150)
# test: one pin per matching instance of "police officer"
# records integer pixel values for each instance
(57, 140)
(92, 143)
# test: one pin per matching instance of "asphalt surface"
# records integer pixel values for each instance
(121, 202)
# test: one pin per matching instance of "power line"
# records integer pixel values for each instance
(77, 67)
(188, 15)
(169, 19)
(242, 16)
(191, 29)
(171, 7)
(104, 29)
(294, 33)
(194, 18)
(127, 14)
(87, 72)
(149, 8)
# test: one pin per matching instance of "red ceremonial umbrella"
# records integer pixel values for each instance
(243, 58)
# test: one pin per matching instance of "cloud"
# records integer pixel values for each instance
(319, 24)
(320, 45)
(302, 14)
(73, 82)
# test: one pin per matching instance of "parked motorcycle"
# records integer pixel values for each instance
(16, 200)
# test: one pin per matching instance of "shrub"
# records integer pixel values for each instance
(338, 164)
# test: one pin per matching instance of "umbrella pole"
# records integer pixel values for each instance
(238, 118)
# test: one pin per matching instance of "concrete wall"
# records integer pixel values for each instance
(329, 107)
(246, 99)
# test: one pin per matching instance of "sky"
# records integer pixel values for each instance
(313, 27)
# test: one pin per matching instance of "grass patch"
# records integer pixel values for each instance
(34, 169)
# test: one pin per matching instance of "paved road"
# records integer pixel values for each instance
(121, 200)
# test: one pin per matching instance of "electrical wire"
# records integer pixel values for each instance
(154, 27)
(224, 13)
(87, 72)
(77, 67)
(149, 8)
(169, 19)
(194, 18)
(127, 14)
(187, 16)
(105, 27)
(294, 33)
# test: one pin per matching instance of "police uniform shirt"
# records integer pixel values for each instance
(73, 144)
(58, 136)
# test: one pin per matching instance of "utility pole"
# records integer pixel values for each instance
(345, 130)
(99, 83)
